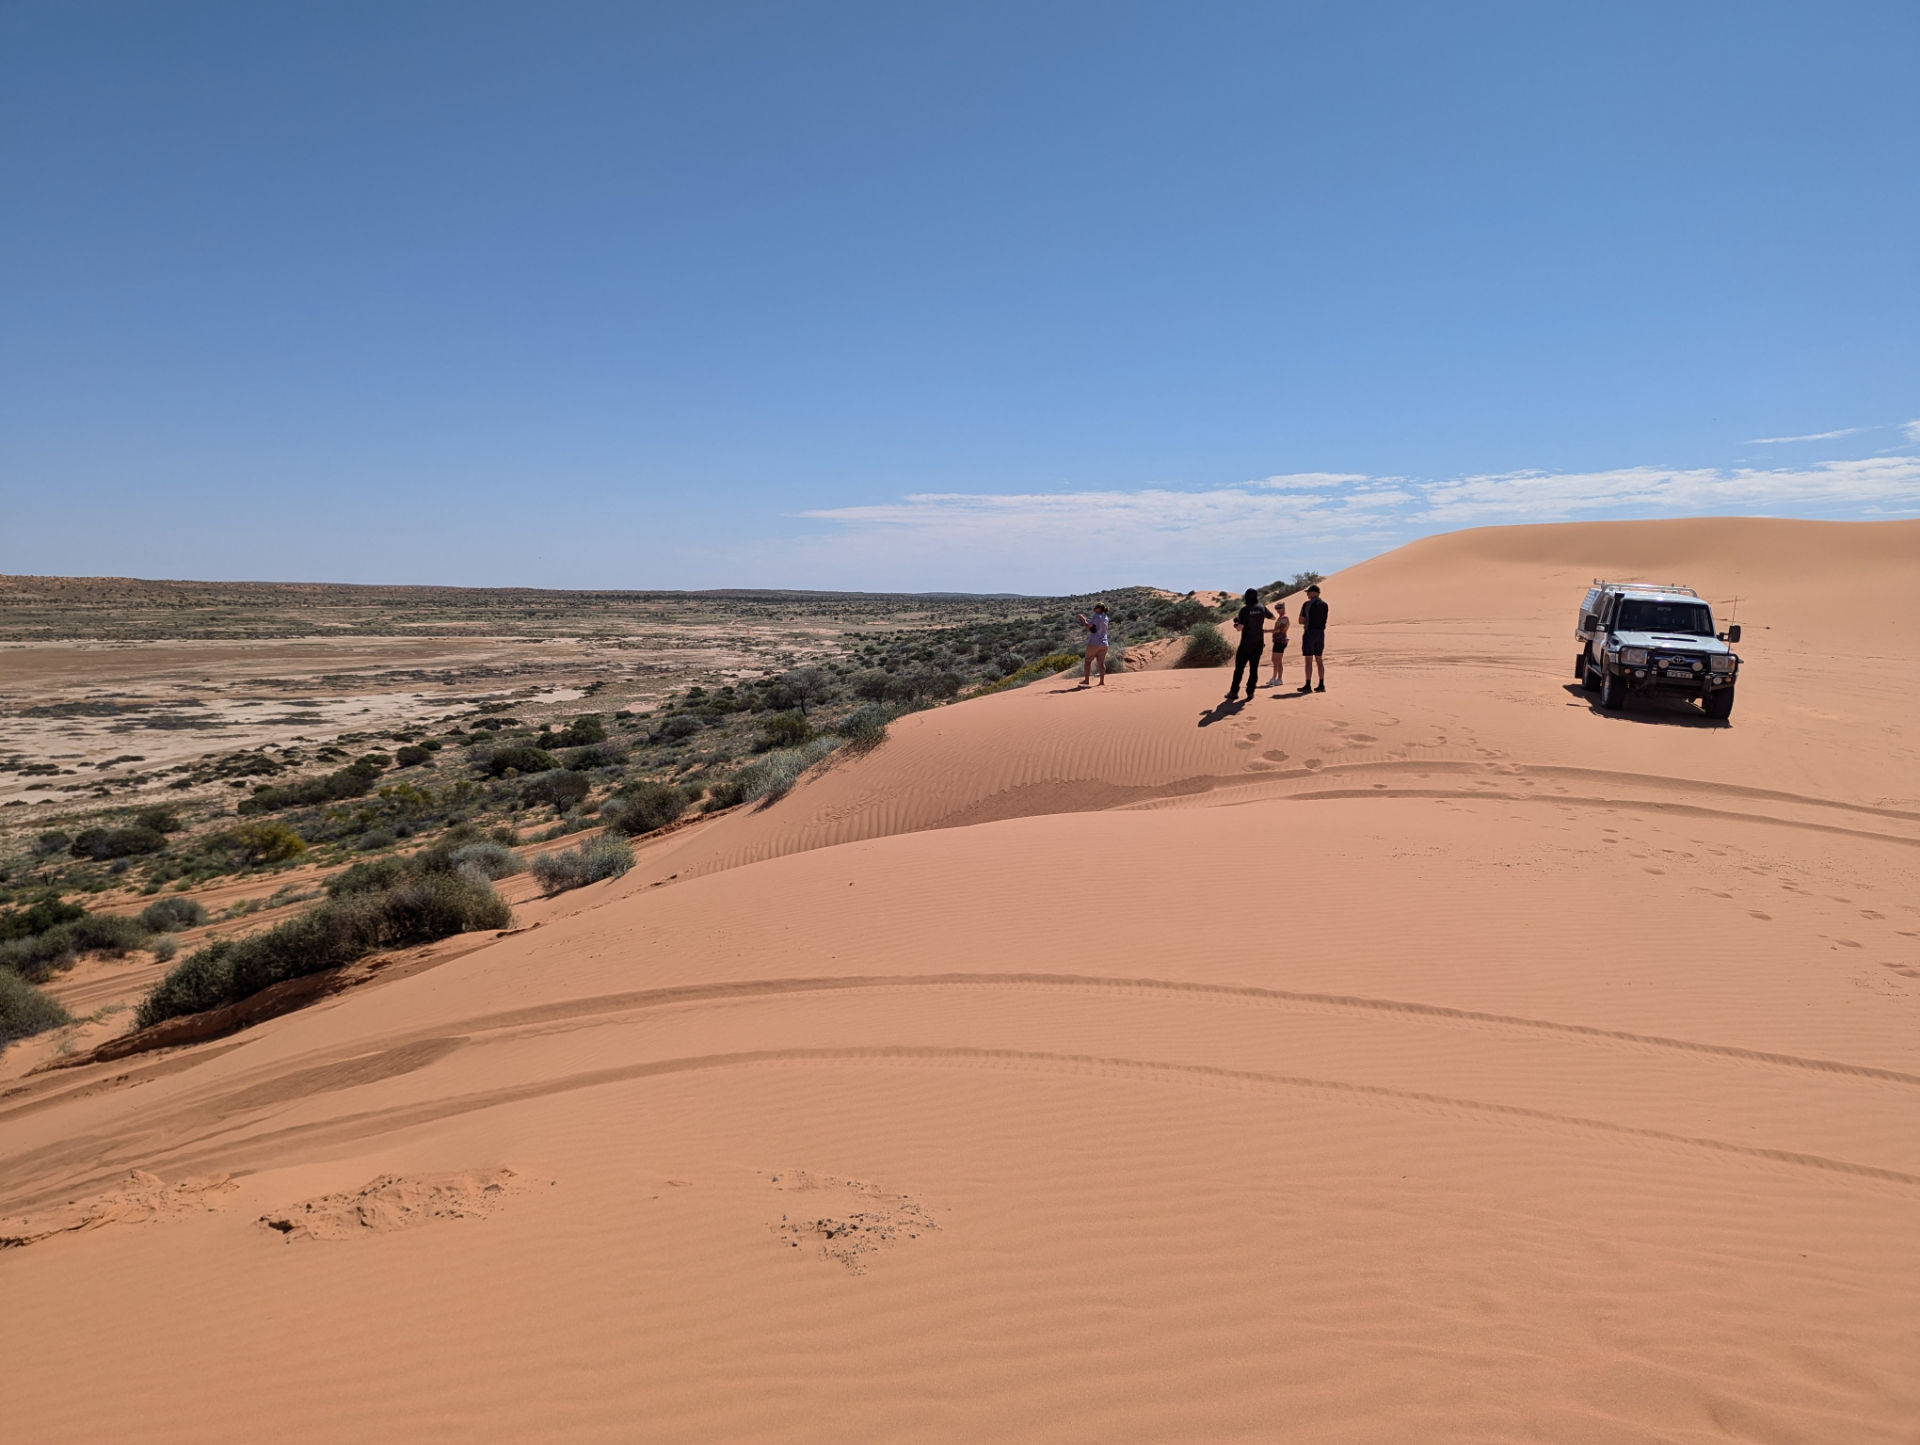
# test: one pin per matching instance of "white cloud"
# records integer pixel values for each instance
(1818, 436)
(1912, 430)
(1544, 496)
(1309, 481)
(1053, 541)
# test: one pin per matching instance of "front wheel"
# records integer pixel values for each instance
(1613, 691)
(1719, 704)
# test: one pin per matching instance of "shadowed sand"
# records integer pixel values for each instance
(1437, 1058)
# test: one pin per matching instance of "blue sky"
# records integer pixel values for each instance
(1000, 297)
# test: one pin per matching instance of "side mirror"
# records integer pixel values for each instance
(1733, 633)
(1592, 621)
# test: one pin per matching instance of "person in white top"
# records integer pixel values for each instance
(1096, 653)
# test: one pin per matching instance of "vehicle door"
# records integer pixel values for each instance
(1608, 605)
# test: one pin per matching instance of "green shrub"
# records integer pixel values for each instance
(582, 731)
(418, 908)
(170, 915)
(644, 806)
(1206, 647)
(47, 913)
(36, 956)
(100, 844)
(866, 727)
(607, 856)
(49, 843)
(1180, 616)
(875, 685)
(25, 1011)
(161, 820)
(559, 787)
(774, 775)
(783, 730)
(676, 728)
(412, 756)
(520, 758)
(594, 755)
(1032, 672)
(491, 859)
(267, 843)
(164, 948)
(354, 781)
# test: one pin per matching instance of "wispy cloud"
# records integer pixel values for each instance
(1047, 541)
(1818, 436)
(1912, 430)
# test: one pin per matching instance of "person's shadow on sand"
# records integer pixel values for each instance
(1221, 711)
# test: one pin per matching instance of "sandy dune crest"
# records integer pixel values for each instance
(1438, 1058)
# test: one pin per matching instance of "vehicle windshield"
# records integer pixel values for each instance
(1686, 618)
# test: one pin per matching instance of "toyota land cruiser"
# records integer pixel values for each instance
(1654, 637)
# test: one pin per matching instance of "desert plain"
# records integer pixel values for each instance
(1436, 1058)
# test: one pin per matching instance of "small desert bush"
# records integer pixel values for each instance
(164, 948)
(413, 756)
(1044, 667)
(607, 856)
(559, 787)
(774, 775)
(1180, 616)
(421, 906)
(675, 729)
(643, 807)
(47, 913)
(39, 954)
(865, 728)
(594, 755)
(103, 843)
(783, 730)
(25, 1010)
(582, 731)
(491, 859)
(354, 781)
(259, 843)
(170, 915)
(1206, 647)
(519, 759)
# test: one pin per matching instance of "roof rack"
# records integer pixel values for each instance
(1649, 586)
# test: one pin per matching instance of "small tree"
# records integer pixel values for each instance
(807, 686)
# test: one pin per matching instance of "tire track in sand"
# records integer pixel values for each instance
(257, 1150)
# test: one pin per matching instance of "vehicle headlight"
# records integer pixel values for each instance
(1722, 663)
(1634, 656)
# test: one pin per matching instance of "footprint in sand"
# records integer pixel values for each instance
(393, 1202)
(848, 1220)
(1274, 756)
(1311, 763)
(1362, 738)
(141, 1199)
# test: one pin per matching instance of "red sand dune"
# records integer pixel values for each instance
(1437, 1058)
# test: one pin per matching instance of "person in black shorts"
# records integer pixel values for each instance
(1251, 621)
(1313, 640)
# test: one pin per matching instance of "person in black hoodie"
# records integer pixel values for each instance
(1251, 622)
(1313, 640)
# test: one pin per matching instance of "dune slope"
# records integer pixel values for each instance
(1435, 1058)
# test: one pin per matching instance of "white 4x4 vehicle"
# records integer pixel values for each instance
(1648, 637)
